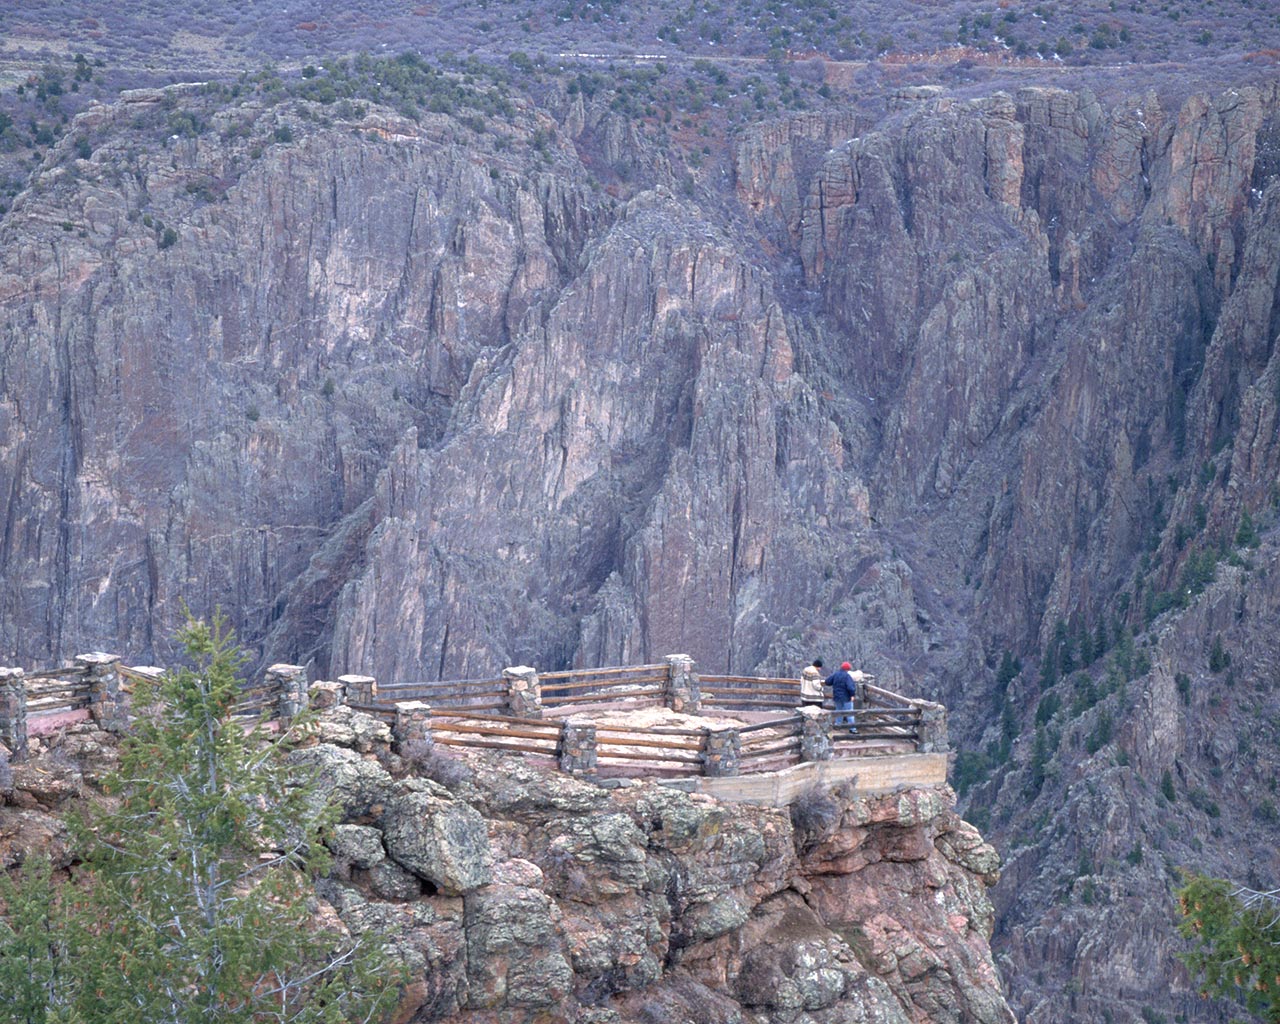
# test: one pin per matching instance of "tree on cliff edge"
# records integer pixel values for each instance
(1237, 936)
(196, 901)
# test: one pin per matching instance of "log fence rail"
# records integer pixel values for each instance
(546, 715)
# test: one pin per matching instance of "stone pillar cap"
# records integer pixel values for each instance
(356, 679)
(412, 705)
(522, 669)
(285, 668)
(97, 658)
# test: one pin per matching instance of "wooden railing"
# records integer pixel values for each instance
(55, 690)
(769, 746)
(560, 716)
(575, 688)
(463, 695)
(746, 692)
(495, 732)
(657, 750)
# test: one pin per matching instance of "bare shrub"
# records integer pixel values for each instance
(433, 764)
(814, 816)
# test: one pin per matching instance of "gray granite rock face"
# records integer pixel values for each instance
(441, 841)
(359, 845)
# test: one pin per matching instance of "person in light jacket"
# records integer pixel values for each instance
(811, 685)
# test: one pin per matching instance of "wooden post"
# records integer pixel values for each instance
(13, 710)
(524, 692)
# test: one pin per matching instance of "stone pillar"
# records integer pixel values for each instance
(578, 747)
(359, 689)
(412, 729)
(683, 694)
(325, 696)
(106, 701)
(524, 692)
(290, 683)
(933, 728)
(721, 750)
(13, 710)
(815, 734)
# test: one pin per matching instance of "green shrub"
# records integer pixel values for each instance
(1219, 659)
(1183, 682)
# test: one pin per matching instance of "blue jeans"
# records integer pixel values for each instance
(845, 705)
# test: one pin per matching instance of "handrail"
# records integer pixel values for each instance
(445, 713)
(56, 673)
(769, 730)
(901, 701)
(595, 684)
(717, 680)
(460, 685)
(578, 672)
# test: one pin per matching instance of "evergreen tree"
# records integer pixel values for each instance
(1066, 658)
(1247, 534)
(1100, 639)
(1039, 768)
(1218, 656)
(1237, 936)
(35, 933)
(197, 905)
(1085, 645)
(1010, 667)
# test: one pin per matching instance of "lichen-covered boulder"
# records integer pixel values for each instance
(963, 844)
(444, 842)
(522, 792)
(345, 727)
(515, 955)
(360, 846)
(358, 786)
(390, 881)
(593, 858)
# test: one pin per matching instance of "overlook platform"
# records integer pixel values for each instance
(734, 737)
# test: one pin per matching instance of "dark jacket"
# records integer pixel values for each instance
(842, 686)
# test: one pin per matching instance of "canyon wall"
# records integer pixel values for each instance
(912, 383)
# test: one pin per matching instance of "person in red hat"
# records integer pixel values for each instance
(843, 688)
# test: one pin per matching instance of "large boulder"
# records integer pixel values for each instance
(515, 954)
(442, 841)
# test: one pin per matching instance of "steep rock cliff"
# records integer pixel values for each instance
(515, 893)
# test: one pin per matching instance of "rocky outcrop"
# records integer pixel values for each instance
(521, 894)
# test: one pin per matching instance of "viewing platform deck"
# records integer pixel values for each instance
(734, 737)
